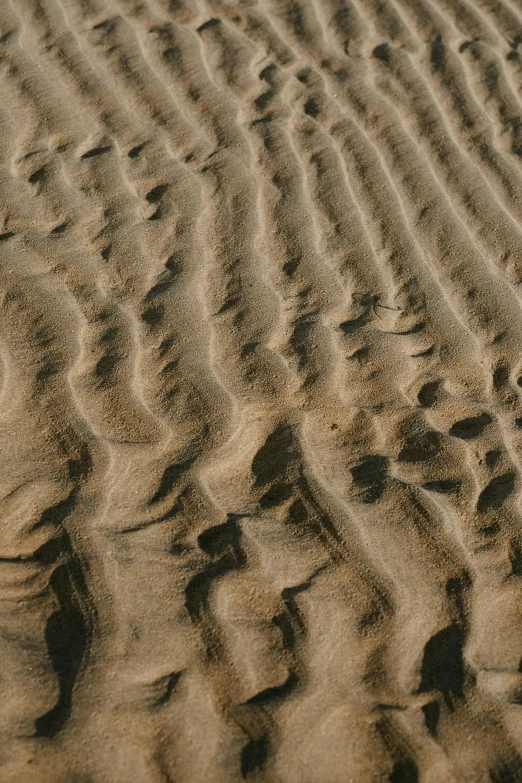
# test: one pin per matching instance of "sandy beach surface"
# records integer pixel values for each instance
(260, 391)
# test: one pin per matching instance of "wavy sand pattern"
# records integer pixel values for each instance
(261, 391)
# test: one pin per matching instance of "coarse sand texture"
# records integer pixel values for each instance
(260, 391)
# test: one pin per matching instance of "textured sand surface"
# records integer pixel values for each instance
(261, 404)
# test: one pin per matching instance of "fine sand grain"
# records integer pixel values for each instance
(261, 391)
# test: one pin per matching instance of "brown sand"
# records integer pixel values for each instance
(261, 415)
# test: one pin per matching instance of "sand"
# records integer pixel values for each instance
(260, 378)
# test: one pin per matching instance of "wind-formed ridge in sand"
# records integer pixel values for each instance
(260, 393)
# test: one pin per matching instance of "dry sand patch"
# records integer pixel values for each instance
(260, 380)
